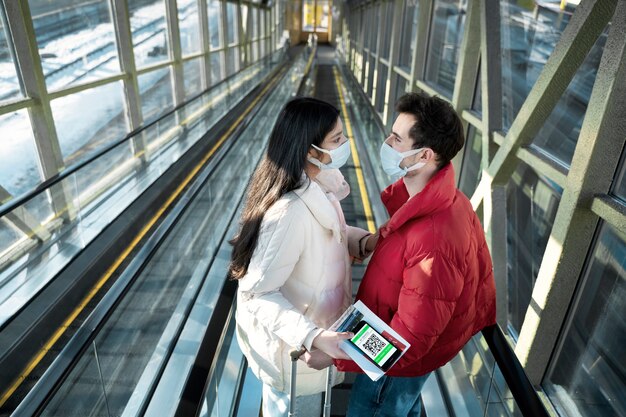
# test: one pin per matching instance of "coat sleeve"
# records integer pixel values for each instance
(280, 244)
(428, 297)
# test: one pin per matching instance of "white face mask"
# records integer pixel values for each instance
(339, 156)
(391, 159)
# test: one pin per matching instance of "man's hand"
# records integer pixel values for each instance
(317, 359)
(328, 342)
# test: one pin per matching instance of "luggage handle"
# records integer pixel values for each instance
(295, 355)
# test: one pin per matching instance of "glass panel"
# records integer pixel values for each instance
(149, 29)
(231, 56)
(80, 132)
(474, 383)
(444, 45)
(19, 168)
(532, 202)
(216, 67)
(376, 18)
(255, 23)
(255, 51)
(215, 28)
(232, 25)
(76, 41)
(471, 170)
(589, 373)
(193, 77)
(559, 134)
(407, 34)
(619, 187)
(529, 32)
(9, 84)
(387, 10)
(189, 24)
(308, 15)
(322, 16)
(477, 104)
(155, 88)
(381, 88)
(401, 85)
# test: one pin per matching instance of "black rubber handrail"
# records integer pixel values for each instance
(14, 203)
(523, 391)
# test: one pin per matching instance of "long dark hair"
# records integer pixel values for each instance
(302, 122)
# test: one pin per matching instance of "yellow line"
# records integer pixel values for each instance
(355, 158)
(53, 339)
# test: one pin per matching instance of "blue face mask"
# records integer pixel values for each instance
(391, 159)
(339, 156)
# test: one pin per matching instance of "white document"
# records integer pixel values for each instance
(349, 319)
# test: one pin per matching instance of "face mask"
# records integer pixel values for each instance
(339, 156)
(390, 160)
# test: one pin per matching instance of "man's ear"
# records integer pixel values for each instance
(427, 155)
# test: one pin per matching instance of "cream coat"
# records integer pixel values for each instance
(298, 279)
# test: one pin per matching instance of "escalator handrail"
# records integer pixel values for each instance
(516, 379)
(19, 201)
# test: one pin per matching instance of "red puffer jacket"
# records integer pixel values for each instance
(430, 276)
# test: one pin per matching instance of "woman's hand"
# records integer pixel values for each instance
(328, 342)
(370, 244)
(317, 359)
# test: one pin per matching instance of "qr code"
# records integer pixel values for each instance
(374, 344)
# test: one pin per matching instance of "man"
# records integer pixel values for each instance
(430, 276)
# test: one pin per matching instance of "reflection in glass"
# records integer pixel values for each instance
(589, 373)
(9, 84)
(193, 77)
(444, 44)
(471, 171)
(155, 88)
(559, 134)
(89, 120)
(216, 67)
(532, 202)
(19, 167)
(189, 26)
(475, 385)
(215, 23)
(232, 60)
(529, 33)
(149, 29)
(76, 41)
(407, 34)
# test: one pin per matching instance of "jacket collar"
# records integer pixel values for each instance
(438, 195)
(318, 204)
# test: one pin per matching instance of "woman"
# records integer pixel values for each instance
(291, 254)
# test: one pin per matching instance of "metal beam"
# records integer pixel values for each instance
(205, 43)
(593, 166)
(50, 159)
(466, 73)
(176, 54)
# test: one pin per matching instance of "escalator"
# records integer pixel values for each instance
(126, 339)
